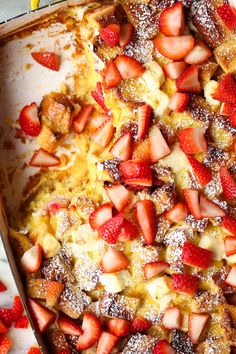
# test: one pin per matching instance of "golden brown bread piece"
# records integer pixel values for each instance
(118, 306)
(206, 71)
(226, 56)
(36, 288)
(48, 140)
(105, 15)
(139, 344)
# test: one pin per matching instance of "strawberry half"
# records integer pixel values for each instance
(228, 15)
(185, 283)
(112, 76)
(140, 324)
(172, 318)
(226, 109)
(136, 173)
(126, 34)
(17, 308)
(2, 287)
(157, 144)
(36, 350)
(42, 316)
(47, 59)
(231, 277)
(177, 213)
(69, 326)
(29, 120)
(230, 245)
(31, 259)
(119, 327)
(119, 196)
(5, 344)
(91, 332)
(22, 322)
(188, 81)
(175, 70)
(199, 54)
(122, 148)
(171, 22)
(196, 324)
(106, 343)
(104, 133)
(192, 140)
(175, 48)
(146, 217)
(98, 96)
(226, 90)
(144, 116)
(3, 328)
(163, 347)
(42, 158)
(110, 34)
(208, 209)
(232, 118)
(81, 118)
(196, 256)
(114, 261)
(229, 225)
(228, 183)
(192, 199)
(129, 67)
(153, 268)
(202, 173)
(110, 231)
(141, 151)
(128, 232)
(6, 316)
(179, 102)
(101, 215)
(53, 290)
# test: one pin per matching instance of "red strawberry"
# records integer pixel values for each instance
(17, 308)
(226, 109)
(144, 115)
(228, 183)
(199, 54)
(3, 328)
(128, 232)
(64, 352)
(82, 117)
(53, 290)
(231, 277)
(2, 287)
(196, 324)
(29, 120)
(174, 70)
(34, 350)
(22, 322)
(172, 318)
(129, 67)
(228, 15)
(119, 196)
(146, 218)
(5, 344)
(185, 283)
(232, 118)
(163, 347)
(188, 81)
(110, 231)
(92, 330)
(196, 256)
(157, 144)
(6, 316)
(226, 90)
(171, 22)
(177, 213)
(174, 48)
(153, 268)
(208, 209)
(192, 199)
(192, 140)
(69, 326)
(141, 151)
(179, 102)
(56, 205)
(122, 148)
(31, 259)
(104, 133)
(106, 343)
(101, 215)
(140, 324)
(98, 96)
(42, 158)
(229, 225)
(202, 173)
(42, 316)
(136, 173)
(119, 327)
(47, 59)
(114, 261)
(112, 76)
(230, 245)
(126, 34)
(110, 34)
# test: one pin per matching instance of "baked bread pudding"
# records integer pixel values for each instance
(127, 237)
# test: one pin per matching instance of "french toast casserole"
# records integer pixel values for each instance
(126, 236)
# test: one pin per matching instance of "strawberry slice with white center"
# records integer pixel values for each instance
(226, 90)
(106, 343)
(185, 283)
(179, 102)
(188, 81)
(101, 215)
(192, 140)
(232, 118)
(110, 231)
(172, 318)
(230, 245)
(98, 96)
(175, 70)
(31, 259)
(229, 225)
(53, 290)
(82, 118)
(42, 316)
(119, 327)
(92, 329)
(153, 268)
(171, 22)
(177, 213)
(104, 133)
(114, 261)
(228, 15)
(157, 144)
(129, 67)
(122, 148)
(199, 54)
(163, 347)
(146, 217)
(110, 34)
(112, 77)
(29, 120)
(208, 209)
(49, 60)
(175, 48)
(192, 199)
(196, 325)
(144, 116)
(126, 34)
(42, 158)
(201, 172)
(228, 183)
(128, 232)
(135, 172)
(118, 195)
(196, 256)
(231, 277)
(69, 326)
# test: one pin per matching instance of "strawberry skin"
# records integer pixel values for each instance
(229, 225)
(5, 344)
(2, 287)
(128, 232)
(119, 196)
(192, 140)
(144, 116)
(36, 350)
(196, 324)
(114, 261)
(122, 148)
(185, 283)
(228, 15)
(47, 59)
(42, 316)
(140, 324)
(153, 268)
(119, 327)
(112, 77)
(53, 291)
(82, 117)
(92, 330)
(188, 81)
(98, 96)
(31, 259)
(192, 199)
(146, 217)
(101, 215)
(6, 316)
(17, 308)
(3, 328)
(22, 322)
(232, 118)
(171, 22)
(196, 256)
(175, 70)
(126, 34)
(230, 245)
(226, 90)
(69, 326)
(208, 209)
(228, 183)
(136, 172)
(129, 67)
(110, 231)
(110, 34)
(231, 277)
(106, 343)
(226, 109)
(178, 213)
(163, 347)
(104, 133)
(201, 172)
(29, 120)
(179, 102)
(175, 48)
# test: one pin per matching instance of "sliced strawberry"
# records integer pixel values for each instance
(29, 120)
(163, 347)
(35, 350)
(175, 48)
(5, 344)
(112, 76)
(209, 209)
(230, 245)
(114, 261)
(196, 324)
(128, 232)
(226, 109)
(192, 140)
(196, 256)
(82, 117)
(3, 328)
(119, 327)
(232, 118)
(157, 144)
(6, 316)
(119, 196)
(56, 205)
(69, 326)
(22, 322)
(31, 259)
(171, 22)
(140, 324)
(47, 59)
(2, 287)
(153, 268)
(141, 151)
(17, 308)
(42, 158)
(110, 231)
(92, 330)
(188, 81)
(228, 15)
(199, 54)
(185, 283)
(136, 173)
(42, 316)
(228, 183)
(129, 67)
(146, 217)
(226, 90)
(144, 116)
(192, 199)
(101, 215)
(201, 172)
(231, 277)
(122, 148)
(110, 34)
(177, 213)
(106, 343)
(53, 290)
(104, 133)
(175, 70)
(179, 102)
(229, 225)
(98, 96)
(126, 34)
(172, 318)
